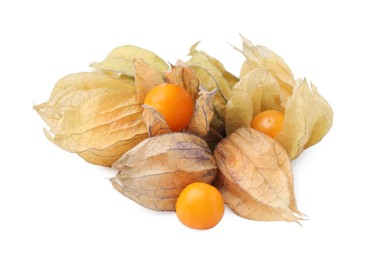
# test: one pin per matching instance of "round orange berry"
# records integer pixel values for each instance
(200, 206)
(173, 102)
(269, 122)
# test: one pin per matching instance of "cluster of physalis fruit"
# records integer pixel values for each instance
(192, 137)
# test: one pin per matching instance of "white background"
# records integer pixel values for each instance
(54, 205)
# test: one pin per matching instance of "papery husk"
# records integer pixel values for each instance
(73, 90)
(255, 177)
(199, 123)
(93, 115)
(258, 56)
(154, 172)
(213, 75)
(107, 156)
(308, 118)
(185, 77)
(219, 102)
(224, 79)
(120, 61)
(155, 121)
(203, 113)
(201, 60)
(146, 78)
(256, 92)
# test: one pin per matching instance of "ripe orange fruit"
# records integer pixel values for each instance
(200, 206)
(173, 102)
(269, 122)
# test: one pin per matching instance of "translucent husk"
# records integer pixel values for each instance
(267, 83)
(154, 172)
(255, 177)
(213, 75)
(119, 61)
(94, 115)
(258, 56)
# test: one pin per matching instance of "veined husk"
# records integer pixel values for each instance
(147, 77)
(119, 61)
(199, 123)
(267, 83)
(258, 56)
(255, 92)
(255, 177)
(308, 116)
(154, 172)
(212, 75)
(94, 115)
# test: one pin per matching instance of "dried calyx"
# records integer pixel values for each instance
(154, 172)
(94, 115)
(255, 177)
(267, 83)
